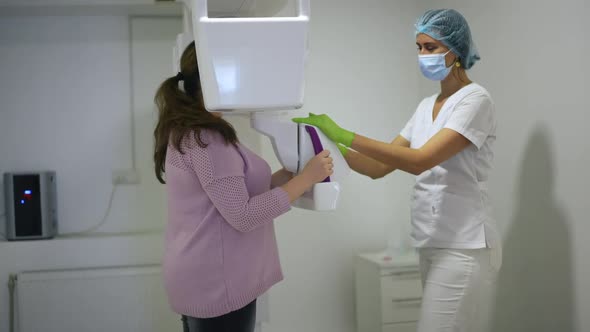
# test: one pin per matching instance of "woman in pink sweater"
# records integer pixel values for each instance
(220, 252)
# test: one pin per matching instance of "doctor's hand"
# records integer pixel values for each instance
(329, 128)
(319, 167)
(343, 149)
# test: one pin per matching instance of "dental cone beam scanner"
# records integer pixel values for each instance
(256, 65)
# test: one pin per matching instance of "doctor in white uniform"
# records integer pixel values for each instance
(448, 145)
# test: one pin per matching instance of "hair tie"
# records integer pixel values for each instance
(179, 76)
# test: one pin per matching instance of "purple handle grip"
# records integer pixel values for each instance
(316, 143)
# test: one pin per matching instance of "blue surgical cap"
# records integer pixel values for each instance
(450, 28)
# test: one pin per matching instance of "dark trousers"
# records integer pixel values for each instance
(242, 320)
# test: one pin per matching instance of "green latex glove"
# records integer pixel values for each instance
(342, 149)
(329, 128)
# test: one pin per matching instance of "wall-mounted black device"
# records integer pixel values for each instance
(31, 205)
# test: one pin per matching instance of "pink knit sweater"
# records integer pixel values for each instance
(220, 251)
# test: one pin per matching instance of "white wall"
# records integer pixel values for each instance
(67, 89)
(66, 100)
(54, 111)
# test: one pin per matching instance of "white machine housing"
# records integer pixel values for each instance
(256, 65)
(294, 145)
(247, 63)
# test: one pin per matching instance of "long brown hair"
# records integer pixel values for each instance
(181, 113)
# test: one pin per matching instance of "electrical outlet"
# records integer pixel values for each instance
(125, 176)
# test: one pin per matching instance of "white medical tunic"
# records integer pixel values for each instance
(450, 206)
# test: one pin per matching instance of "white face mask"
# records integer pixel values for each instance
(434, 66)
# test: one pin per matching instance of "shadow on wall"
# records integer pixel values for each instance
(535, 283)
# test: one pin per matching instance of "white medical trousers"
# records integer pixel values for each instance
(458, 288)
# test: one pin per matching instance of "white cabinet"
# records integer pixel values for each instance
(388, 292)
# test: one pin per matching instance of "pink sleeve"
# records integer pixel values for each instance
(220, 169)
